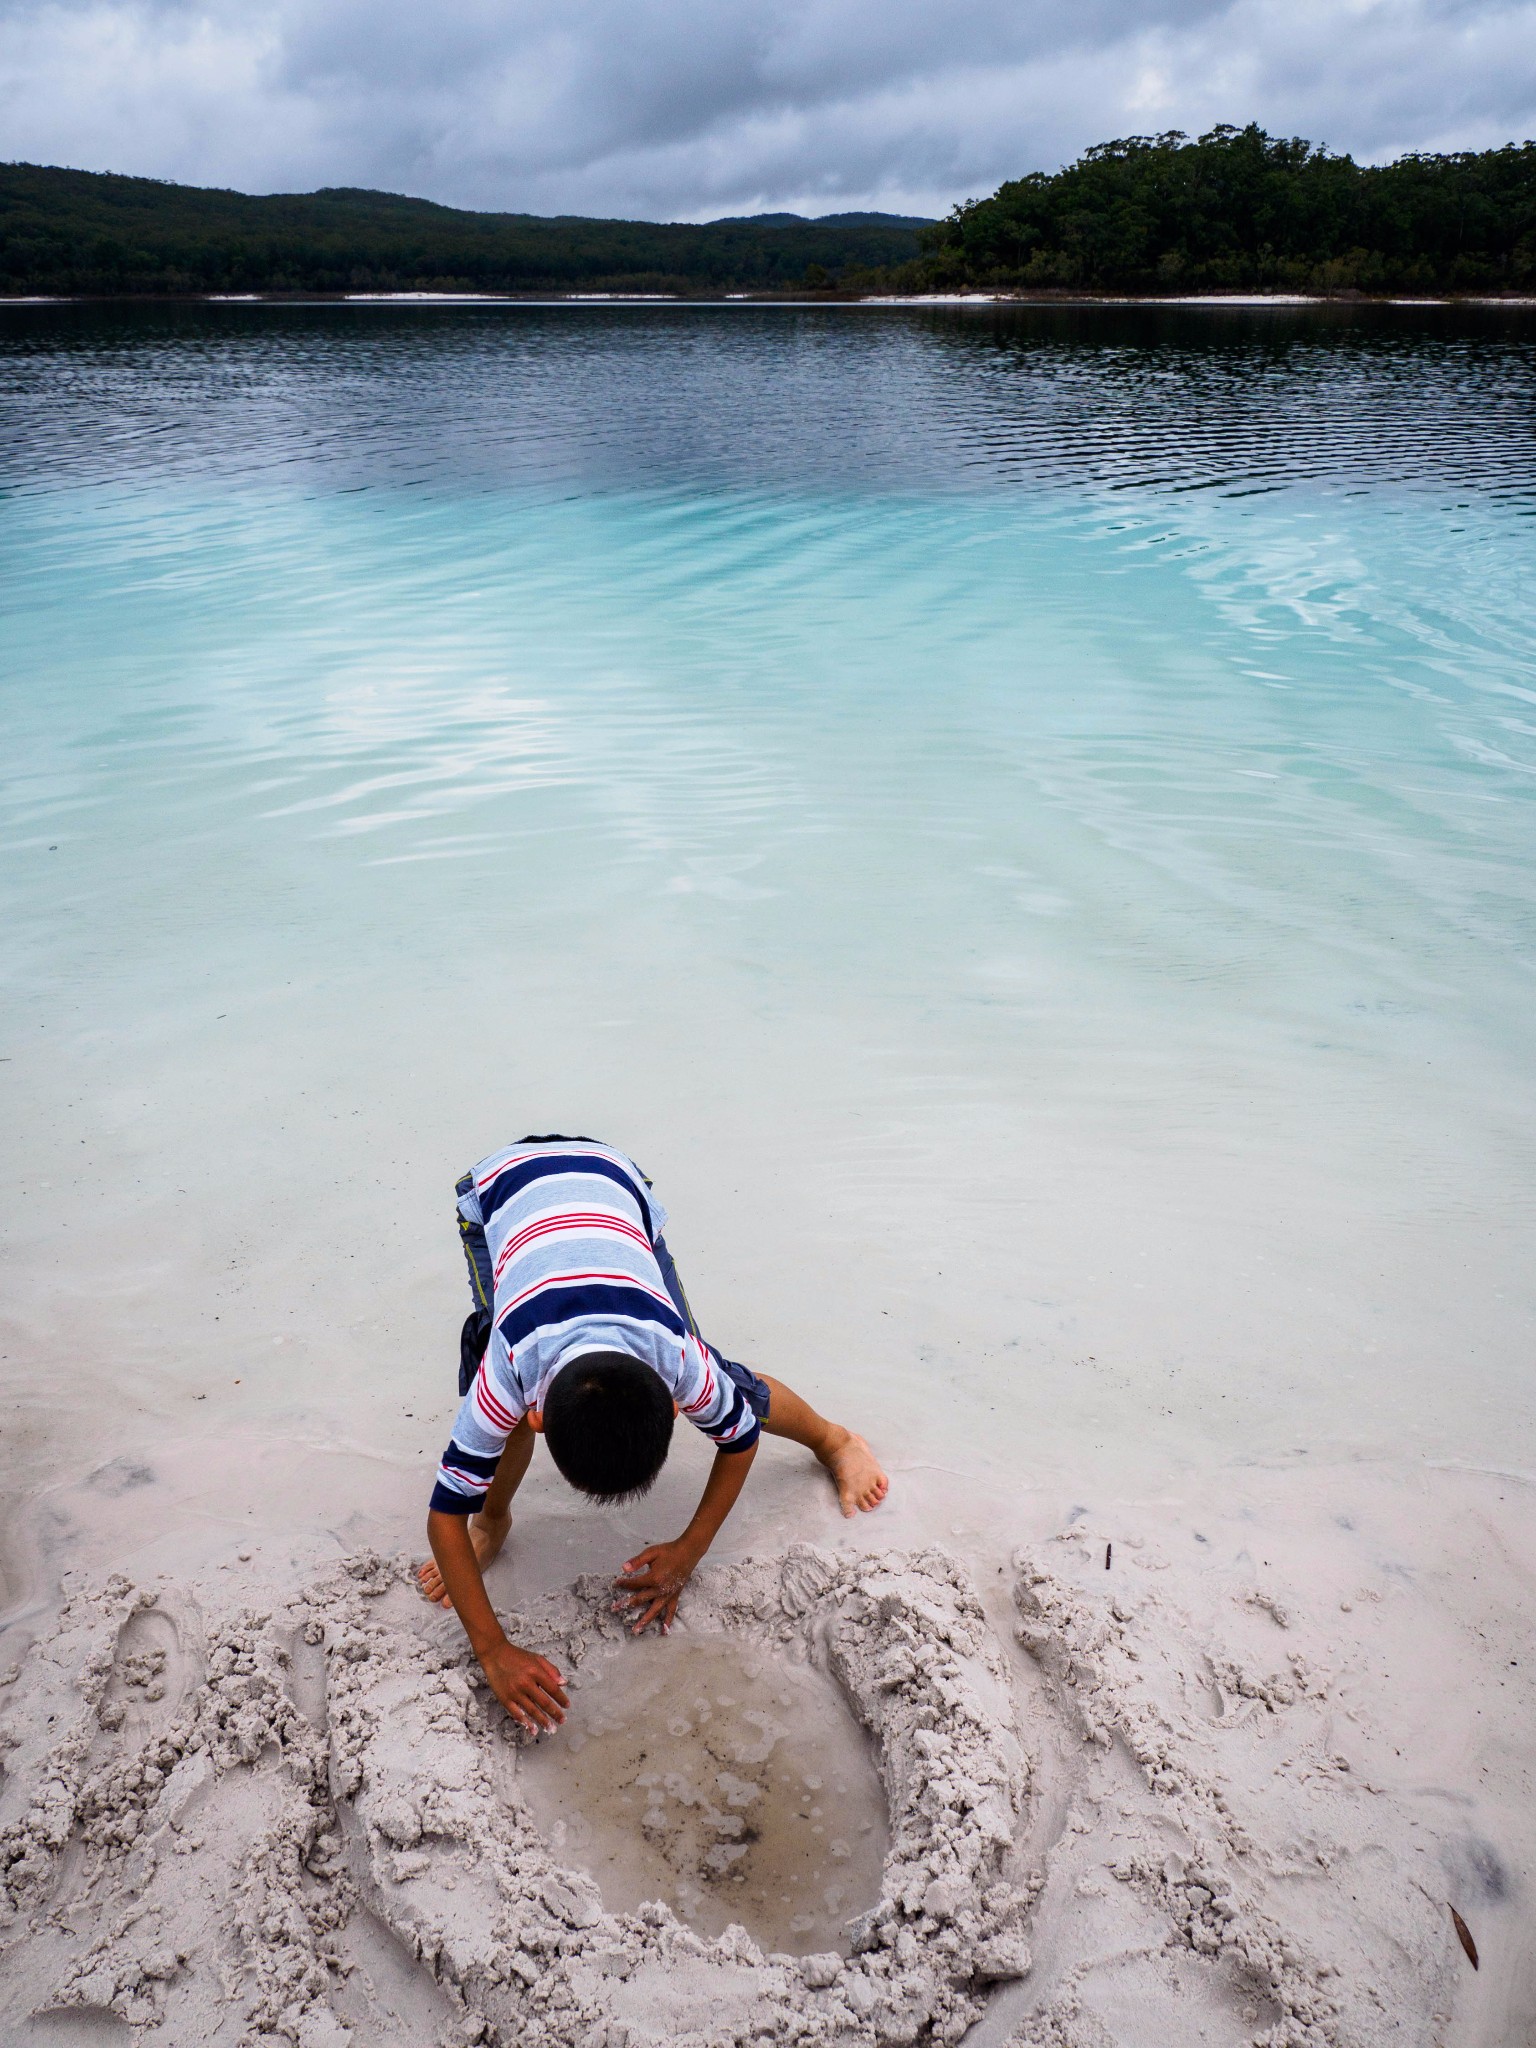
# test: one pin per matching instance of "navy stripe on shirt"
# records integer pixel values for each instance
(446, 1500)
(738, 1409)
(474, 1466)
(513, 1179)
(555, 1304)
(471, 1461)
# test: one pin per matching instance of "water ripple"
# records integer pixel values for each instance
(1129, 399)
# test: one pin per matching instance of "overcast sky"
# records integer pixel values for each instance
(685, 109)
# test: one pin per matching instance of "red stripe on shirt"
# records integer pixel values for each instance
(495, 1413)
(708, 1395)
(593, 1222)
(577, 1279)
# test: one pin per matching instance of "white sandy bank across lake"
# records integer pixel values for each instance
(1227, 1798)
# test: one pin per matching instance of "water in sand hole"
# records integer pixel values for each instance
(722, 1778)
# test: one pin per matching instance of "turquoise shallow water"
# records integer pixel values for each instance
(1026, 821)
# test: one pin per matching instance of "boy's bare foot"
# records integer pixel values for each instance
(861, 1484)
(487, 1533)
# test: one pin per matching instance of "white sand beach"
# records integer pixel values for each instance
(1218, 1789)
(1214, 1742)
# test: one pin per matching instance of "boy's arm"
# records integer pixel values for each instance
(529, 1687)
(655, 1579)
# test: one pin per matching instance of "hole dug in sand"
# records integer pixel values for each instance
(727, 1780)
(491, 1892)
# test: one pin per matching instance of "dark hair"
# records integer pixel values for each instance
(608, 1423)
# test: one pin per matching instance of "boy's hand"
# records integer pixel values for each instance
(654, 1581)
(529, 1687)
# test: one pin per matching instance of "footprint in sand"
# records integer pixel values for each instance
(152, 1672)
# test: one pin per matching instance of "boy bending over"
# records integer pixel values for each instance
(581, 1334)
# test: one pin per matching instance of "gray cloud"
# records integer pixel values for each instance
(671, 109)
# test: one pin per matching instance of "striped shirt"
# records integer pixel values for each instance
(571, 1229)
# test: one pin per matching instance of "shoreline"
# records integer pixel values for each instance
(1243, 301)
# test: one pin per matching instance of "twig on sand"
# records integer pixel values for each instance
(1464, 1936)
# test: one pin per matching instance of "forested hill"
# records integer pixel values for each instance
(1242, 210)
(87, 232)
(1236, 210)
